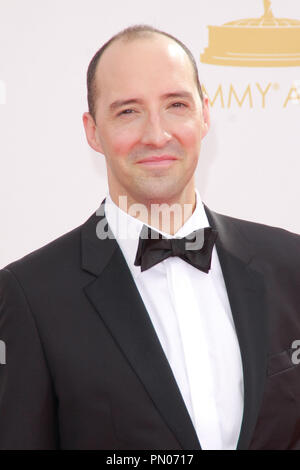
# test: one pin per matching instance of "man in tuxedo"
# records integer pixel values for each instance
(116, 340)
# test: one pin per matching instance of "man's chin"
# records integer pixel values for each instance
(158, 194)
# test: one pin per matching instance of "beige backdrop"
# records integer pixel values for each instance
(51, 181)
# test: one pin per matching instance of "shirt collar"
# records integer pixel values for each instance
(126, 229)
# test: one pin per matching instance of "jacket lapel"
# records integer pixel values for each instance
(115, 297)
(245, 288)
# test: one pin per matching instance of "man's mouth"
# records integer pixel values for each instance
(157, 160)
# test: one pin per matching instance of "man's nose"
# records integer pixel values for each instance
(155, 133)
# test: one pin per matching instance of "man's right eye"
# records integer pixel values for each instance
(126, 111)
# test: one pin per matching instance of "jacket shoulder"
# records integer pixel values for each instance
(57, 256)
(266, 233)
(275, 243)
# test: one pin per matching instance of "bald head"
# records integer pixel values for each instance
(127, 36)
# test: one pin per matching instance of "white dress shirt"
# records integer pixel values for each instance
(191, 315)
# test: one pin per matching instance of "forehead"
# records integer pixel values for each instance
(151, 64)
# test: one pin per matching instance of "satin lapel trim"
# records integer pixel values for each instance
(125, 315)
(246, 293)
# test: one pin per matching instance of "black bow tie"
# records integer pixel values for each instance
(196, 248)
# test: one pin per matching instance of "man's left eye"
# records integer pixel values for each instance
(179, 105)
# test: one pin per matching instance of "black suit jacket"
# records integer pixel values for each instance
(85, 369)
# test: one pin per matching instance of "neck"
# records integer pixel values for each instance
(167, 215)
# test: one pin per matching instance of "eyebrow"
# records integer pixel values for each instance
(177, 94)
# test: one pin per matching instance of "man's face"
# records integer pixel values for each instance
(149, 120)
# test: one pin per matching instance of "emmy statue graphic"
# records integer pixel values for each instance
(255, 42)
(268, 12)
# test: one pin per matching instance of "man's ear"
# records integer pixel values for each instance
(91, 132)
(205, 116)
